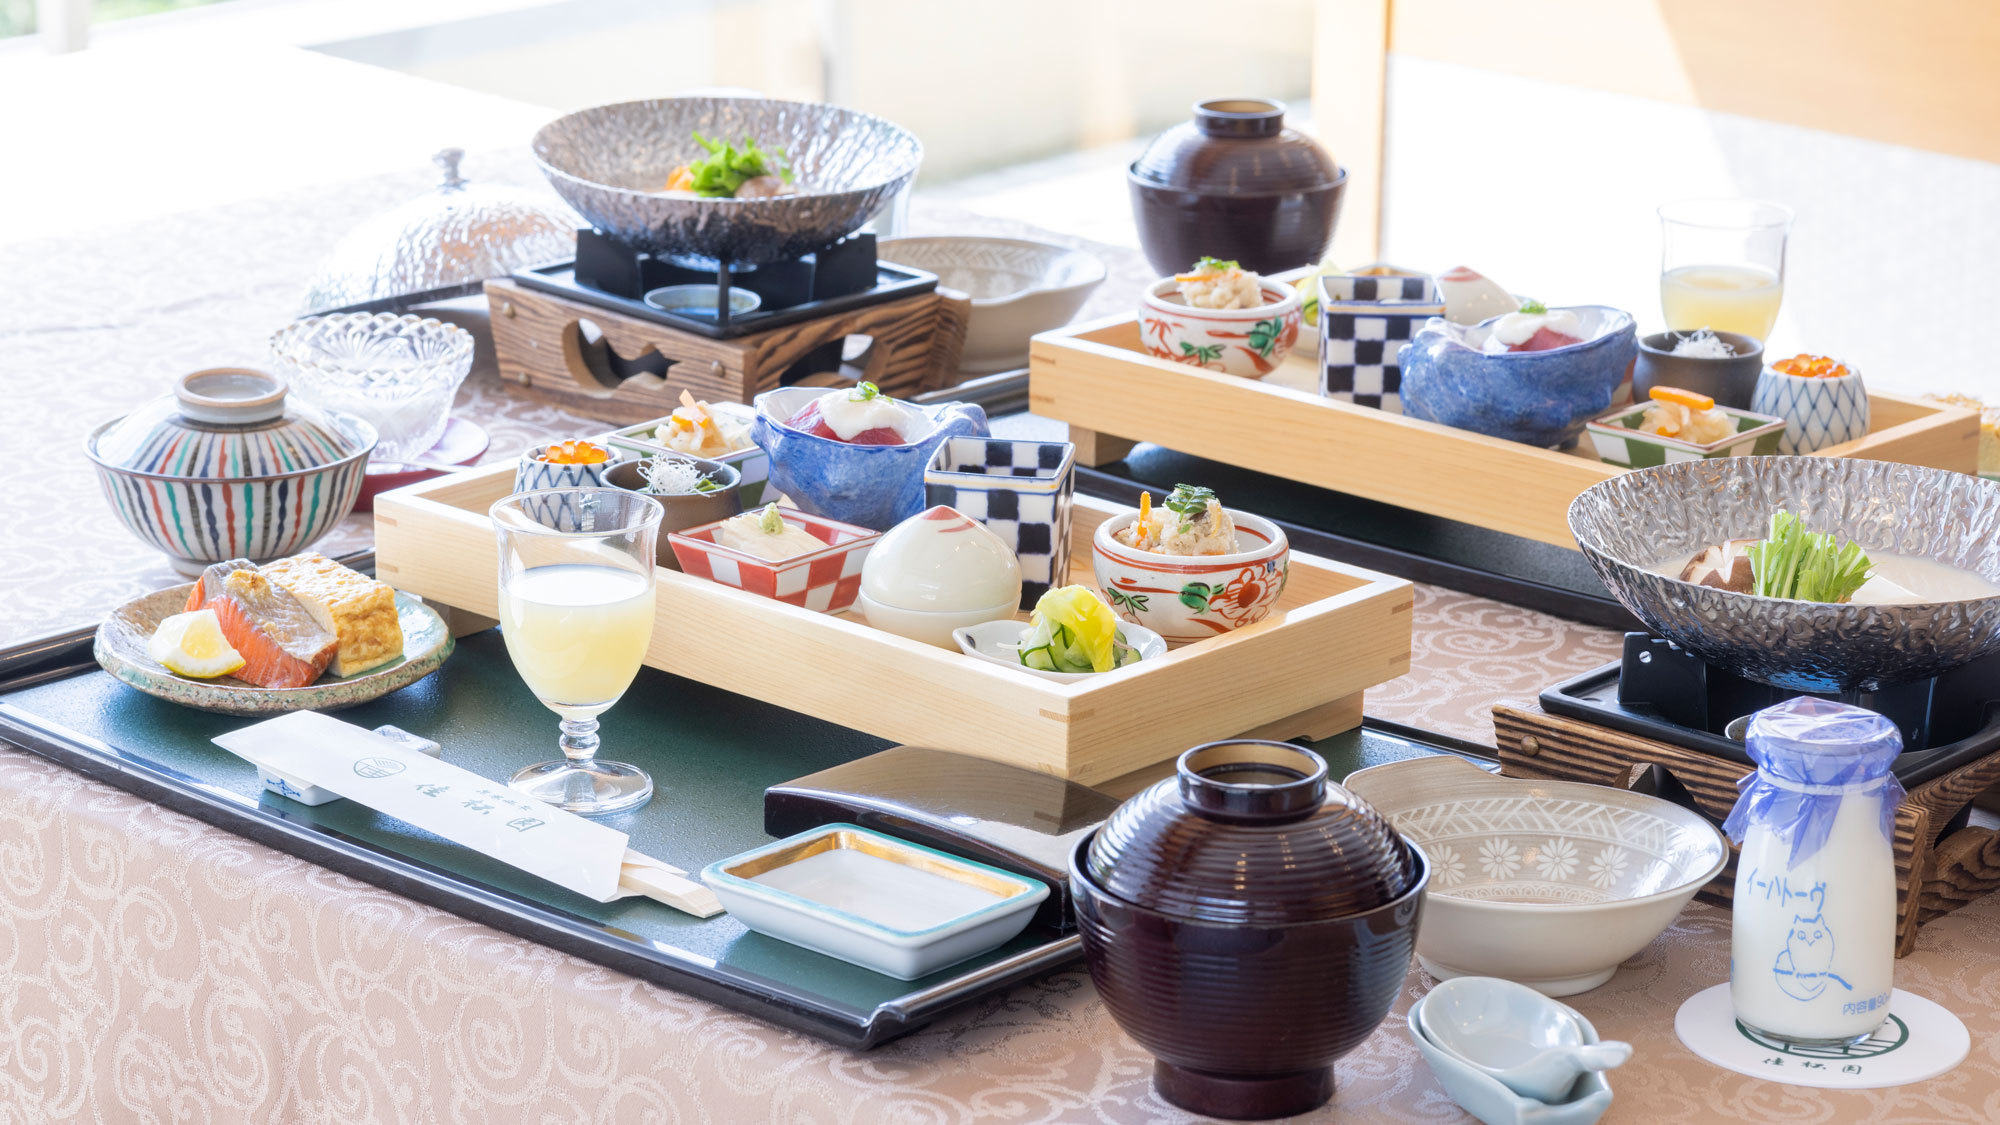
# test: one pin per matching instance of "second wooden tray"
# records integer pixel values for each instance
(1099, 379)
(1337, 630)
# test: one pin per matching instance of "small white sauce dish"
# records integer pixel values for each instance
(1487, 1099)
(872, 900)
(1531, 1044)
(998, 642)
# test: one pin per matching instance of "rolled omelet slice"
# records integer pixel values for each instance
(358, 610)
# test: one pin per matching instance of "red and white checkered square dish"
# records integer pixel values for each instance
(826, 580)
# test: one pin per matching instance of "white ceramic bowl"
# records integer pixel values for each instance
(1017, 288)
(1551, 884)
(994, 642)
(1247, 342)
(941, 560)
(933, 627)
(1187, 598)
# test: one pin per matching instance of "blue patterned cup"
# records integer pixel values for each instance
(1817, 412)
(536, 475)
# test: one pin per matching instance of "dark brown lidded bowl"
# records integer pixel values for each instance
(1248, 922)
(1235, 183)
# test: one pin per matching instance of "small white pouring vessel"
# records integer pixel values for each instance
(1528, 1042)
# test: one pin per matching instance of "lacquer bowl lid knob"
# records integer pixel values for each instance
(1250, 832)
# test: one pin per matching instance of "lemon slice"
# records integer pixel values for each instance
(192, 644)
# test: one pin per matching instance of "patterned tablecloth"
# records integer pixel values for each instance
(153, 968)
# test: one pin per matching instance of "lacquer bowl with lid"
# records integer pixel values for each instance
(226, 467)
(1248, 922)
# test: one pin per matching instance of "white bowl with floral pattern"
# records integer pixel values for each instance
(1187, 598)
(1552, 884)
(1248, 342)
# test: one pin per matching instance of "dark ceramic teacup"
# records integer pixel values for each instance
(1730, 381)
(687, 511)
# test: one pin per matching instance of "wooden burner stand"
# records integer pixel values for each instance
(539, 346)
(1937, 871)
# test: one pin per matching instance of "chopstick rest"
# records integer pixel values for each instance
(461, 806)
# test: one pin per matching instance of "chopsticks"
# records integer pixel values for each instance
(663, 882)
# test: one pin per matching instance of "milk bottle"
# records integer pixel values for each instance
(1813, 933)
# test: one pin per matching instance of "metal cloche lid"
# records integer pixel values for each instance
(442, 244)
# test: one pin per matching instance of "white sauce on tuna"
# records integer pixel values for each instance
(846, 416)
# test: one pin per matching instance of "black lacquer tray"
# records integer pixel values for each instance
(712, 755)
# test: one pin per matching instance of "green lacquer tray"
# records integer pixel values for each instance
(711, 755)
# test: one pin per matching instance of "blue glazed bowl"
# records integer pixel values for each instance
(875, 486)
(1539, 398)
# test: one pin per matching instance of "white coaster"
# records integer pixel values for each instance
(1919, 1040)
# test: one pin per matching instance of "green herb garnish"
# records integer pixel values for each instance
(864, 391)
(1188, 501)
(770, 522)
(1806, 566)
(707, 485)
(1534, 308)
(1218, 264)
(727, 167)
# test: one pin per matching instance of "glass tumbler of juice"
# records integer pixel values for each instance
(1722, 264)
(576, 613)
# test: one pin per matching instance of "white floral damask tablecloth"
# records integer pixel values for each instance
(155, 969)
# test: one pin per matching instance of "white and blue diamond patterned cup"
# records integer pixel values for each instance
(1817, 412)
(532, 474)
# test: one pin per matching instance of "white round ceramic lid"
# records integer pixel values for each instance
(941, 560)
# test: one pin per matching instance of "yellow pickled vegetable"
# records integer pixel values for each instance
(1084, 627)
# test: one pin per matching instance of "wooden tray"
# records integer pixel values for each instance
(1099, 379)
(1337, 630)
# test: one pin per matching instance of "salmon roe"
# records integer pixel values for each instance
(578, 452)
(1811, 367)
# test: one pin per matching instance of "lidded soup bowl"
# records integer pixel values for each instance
(226, 467)
(1248, 922)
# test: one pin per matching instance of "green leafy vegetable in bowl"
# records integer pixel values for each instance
(1791, 562)
(727, 169)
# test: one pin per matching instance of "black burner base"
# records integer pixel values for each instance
(840, 278)
(1662, 692)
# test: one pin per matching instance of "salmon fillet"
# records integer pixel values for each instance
(209, 585)
(281, 644)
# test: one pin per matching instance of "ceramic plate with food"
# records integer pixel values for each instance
(240, 642)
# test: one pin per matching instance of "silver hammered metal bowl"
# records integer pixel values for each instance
(1633, 522)
(610, 162)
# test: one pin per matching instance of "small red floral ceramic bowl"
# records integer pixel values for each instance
(1187, 598)
(1248, 342)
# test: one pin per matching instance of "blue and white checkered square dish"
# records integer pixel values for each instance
(1022, 491)
(1358, 342)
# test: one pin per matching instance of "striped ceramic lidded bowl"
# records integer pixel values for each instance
(223, 469)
